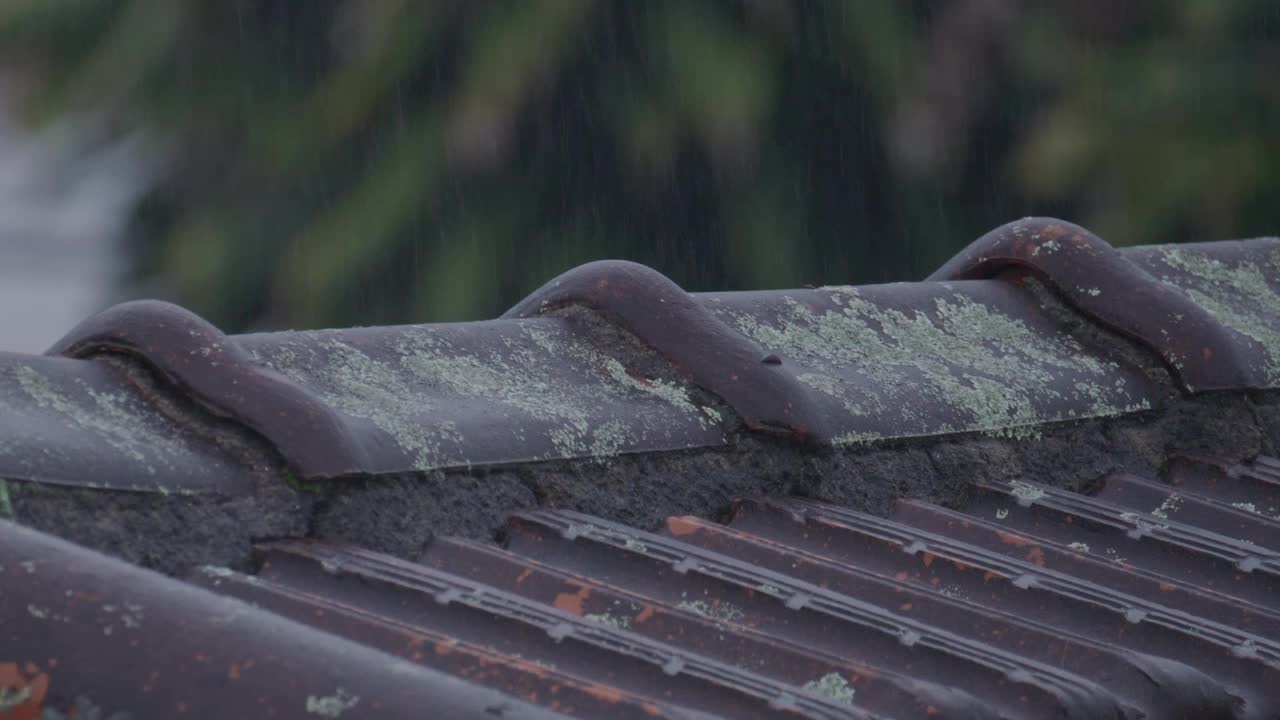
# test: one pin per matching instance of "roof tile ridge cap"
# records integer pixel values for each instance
(1103, 284)
(201, 360)
(759, 386)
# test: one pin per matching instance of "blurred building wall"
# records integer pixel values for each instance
(61, 213)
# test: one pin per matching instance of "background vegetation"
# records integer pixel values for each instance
(337, 162)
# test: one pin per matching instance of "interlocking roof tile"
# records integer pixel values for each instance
(1020, 606)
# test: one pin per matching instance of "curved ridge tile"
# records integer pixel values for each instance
(921, 359)
(758, 385)
(83, 424)
(196, 356)
(1238, 283)
(668, 370)
(1103, 284)
(456, 395)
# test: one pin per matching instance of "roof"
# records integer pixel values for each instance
(1145, 599)
(613, 358)
(1040, 483)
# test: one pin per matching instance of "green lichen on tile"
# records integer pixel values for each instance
(625, 611)
(413, 392)
(13, 697)
(1142, 524)
(994, 371)
(675, 395)
(1238, 295)
(832, 686)
(331, 706)
(118, 419)
(129, 615)
(720, 611)
(1025, 494)
(620, 622)
(1170, 505)
(363, 387)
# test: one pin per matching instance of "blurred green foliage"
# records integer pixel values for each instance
(337, 162)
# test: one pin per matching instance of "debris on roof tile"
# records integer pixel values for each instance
(1040, 484)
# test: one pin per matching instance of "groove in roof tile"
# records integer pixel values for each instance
(511, 622)
(701, 626)
(1250, 488)
(1030, 575)
(1075, 558)
(531, 680)
(1113, 539)
(806, 613)
(1246, 556)
(1167, 503)
(1243, 662)
(1159, 687)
